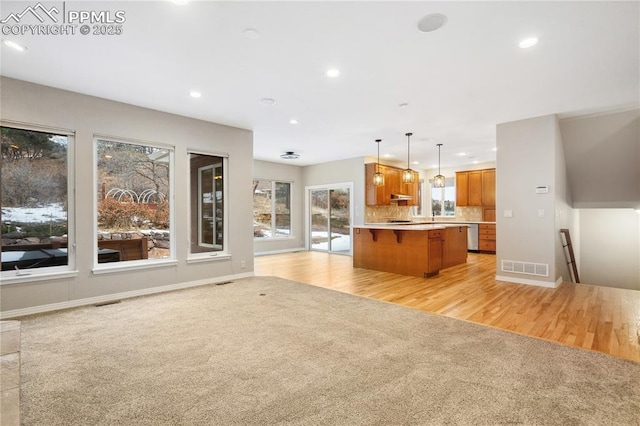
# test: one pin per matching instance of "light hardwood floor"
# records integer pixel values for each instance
(598, 318)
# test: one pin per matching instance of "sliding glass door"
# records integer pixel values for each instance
(330, 219)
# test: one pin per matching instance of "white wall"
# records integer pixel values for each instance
(610, 247)
(40, 105)
(526, 159)
(285, 173)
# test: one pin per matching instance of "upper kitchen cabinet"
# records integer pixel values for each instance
(376, 195)
(476, 188)
(381, 195)
(489, 187)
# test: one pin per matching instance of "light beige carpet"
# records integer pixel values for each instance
(264, 351)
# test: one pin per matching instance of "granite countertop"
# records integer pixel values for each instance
(437, 222)
(423, 226)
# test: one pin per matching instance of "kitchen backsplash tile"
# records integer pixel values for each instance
(380, 214)
(469, 214)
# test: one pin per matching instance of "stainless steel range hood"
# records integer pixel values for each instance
(400, 197)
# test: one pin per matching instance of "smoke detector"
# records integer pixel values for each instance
(289, 155)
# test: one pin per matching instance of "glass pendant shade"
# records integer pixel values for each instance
(439, 180)
(378, 176)
(378, 179)
(408, 175)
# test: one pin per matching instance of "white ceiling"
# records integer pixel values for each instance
(458, 82)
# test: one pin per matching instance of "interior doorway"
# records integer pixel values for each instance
(329, 218)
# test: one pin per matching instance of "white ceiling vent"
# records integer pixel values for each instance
(528, 268)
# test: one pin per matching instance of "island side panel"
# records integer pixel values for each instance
(455, 246)
(400, 252)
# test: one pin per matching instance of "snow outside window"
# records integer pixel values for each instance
(271, 209)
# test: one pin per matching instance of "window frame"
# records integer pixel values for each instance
(51, 272)
(442, 198)
(209, 256)
(111, 267)
(274, 236)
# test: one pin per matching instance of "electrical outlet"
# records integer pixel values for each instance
(243, 264)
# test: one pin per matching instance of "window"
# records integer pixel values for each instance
(271, 209)
(133, 203)
(443, 200)
(35, 202)
(208, 206)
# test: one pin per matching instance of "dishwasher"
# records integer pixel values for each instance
(472, 237)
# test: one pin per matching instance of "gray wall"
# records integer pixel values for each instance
(343, 171)
(527, 157)
(285, 173)
(603, 159)
(30, 103)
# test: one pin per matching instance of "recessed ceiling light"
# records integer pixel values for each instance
(528, 42)
(432, 22)
(494, 149)
(388, 155)
(416, 162)
(14, 46)
(267, 101)
(252, 34)
(293, 121)
(461, 154)
(332, 73)
(195, 94)
(180, 2)
(476, 162)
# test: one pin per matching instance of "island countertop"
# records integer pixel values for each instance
(409, 226)
(419, 250)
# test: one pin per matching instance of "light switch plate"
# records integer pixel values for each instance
(540, 212)
(508, 213)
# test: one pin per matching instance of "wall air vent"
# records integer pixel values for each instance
(528, 268)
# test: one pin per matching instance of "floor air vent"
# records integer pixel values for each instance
(528, 268)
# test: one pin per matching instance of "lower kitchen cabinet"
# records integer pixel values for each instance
(487, 237)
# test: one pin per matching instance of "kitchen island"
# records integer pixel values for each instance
(418, 250)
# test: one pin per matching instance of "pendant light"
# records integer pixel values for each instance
(378, 177)
(439, 180)
(408, 175)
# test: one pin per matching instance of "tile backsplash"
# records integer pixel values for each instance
(381, 214)
(469, 214)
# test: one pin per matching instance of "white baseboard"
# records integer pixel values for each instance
(549, 284)
(118, 296)
(265, 253)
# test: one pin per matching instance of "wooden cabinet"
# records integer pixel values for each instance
(489, 187)
(435, 252)
(487, 237)
(454, 249)
(475, 188)
(462, 189)
(376, 195)
(381, 195)
(411, 189)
